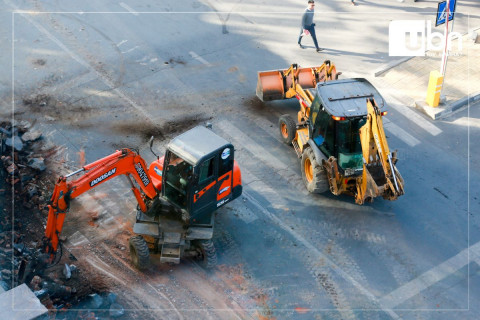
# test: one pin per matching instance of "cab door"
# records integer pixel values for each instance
(205, 192)
(225, 175)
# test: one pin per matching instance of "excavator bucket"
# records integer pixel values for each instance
(272, 85)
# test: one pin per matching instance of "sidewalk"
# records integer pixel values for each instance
(408, 81)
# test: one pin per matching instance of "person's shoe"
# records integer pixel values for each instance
(301, 47)
(319, 49)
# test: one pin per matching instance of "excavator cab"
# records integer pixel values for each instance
(200, 174)
(197, 175)
(178, 175)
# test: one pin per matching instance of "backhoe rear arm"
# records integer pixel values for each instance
(375, 149)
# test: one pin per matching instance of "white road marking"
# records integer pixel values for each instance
(128, 8)
(197, 57)
(408, 112)
(77, 239)
(130, 50)
(400, 133)
(467, 122)
(104, 79)
(96, 266)
(259, 151)
(413, 116)
(168, 300)
(77, 81)
(429, 278)
(121, 42)
(267, 125)
(142, 59)
(315, 253)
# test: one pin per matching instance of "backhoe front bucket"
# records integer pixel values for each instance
(272, 85)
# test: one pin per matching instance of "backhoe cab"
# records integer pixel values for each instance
(177, 196)
(338, 134)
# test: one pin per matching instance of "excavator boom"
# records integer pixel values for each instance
(122, 162)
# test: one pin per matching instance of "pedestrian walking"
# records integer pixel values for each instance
(308, 27)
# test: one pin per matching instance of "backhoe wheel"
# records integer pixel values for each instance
(139, 252)
(208, 254)
(288, 128)
(313, 174)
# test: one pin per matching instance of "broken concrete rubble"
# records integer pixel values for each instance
(58, 285)
(37, 164)
(31, 136)
(14, 142)
(20, 303)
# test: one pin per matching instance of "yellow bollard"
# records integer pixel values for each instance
(434, 89)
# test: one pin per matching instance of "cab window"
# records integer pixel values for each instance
(226, 161)
(206, 170)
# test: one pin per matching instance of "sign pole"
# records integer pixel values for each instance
(443, 66)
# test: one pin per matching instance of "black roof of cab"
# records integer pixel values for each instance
(196, 143)
(347, 97)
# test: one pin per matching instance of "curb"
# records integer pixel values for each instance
(390, 65)
(465, 100)
(446, 109)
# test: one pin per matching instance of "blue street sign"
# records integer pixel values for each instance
(442, 12)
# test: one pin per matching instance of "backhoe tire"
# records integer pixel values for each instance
(208, 254)
(139, 252)
(313, 173)
(288, 128)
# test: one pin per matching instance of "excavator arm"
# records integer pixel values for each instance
(122, 162)
(380, 176)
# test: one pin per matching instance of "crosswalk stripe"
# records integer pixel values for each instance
(429, 278)
(400, 133)
(259, 151)
(411, 114)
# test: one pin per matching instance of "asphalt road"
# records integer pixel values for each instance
(124, 69)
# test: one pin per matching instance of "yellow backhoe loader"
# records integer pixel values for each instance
(338, 133)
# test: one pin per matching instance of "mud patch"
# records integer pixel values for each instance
(40, 100)
(174, 61)
(39, 62)
(255, 105)
(167, 130)
(48, 106)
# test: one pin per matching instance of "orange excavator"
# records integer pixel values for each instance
(177, 196)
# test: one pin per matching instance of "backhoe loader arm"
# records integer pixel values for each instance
(122, 162)
(286, 84)
(298, 79)
(376, 151)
